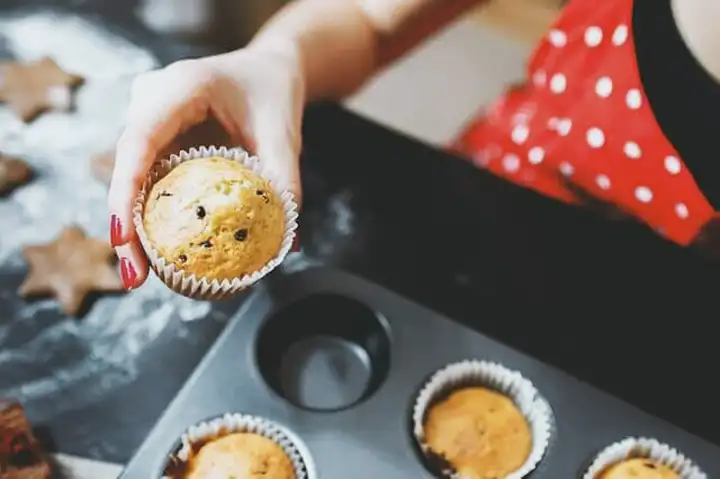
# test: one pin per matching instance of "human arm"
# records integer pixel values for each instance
(342, 43)
(312, 49)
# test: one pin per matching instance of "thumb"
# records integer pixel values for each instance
(278, 144)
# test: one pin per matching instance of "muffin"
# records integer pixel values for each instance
(214, 218)
(478, 419)
(480, 432)
(638, 468)
(240, 456)
(642, 458)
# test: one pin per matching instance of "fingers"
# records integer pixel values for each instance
(163, 104)
(277, 142)
(133, 264)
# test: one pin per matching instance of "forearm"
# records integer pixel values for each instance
(341, 43)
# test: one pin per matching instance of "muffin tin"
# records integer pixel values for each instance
(339, 362)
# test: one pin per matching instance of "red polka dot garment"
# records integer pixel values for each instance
(583, 119)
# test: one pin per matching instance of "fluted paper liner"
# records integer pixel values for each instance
(231, 423)
(190, 284)
(631, 448)
(523, 393)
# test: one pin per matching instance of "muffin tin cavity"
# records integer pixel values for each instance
(300, 347)
(324, 352)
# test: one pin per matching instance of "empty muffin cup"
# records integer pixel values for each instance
(467, 404)
(195, 455)
(632, 454)
(214, 227)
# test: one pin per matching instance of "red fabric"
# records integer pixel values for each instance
(583, 118)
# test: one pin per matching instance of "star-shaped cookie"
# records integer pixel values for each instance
(30, 89)
(13, 173)
(70, 268)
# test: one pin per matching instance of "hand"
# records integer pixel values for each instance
(254, 96)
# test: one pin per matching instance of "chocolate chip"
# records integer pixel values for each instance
(241, 235)
(163, 193)
(263, 194)
(182, 258)
(200, 212)
(650, 465)
(206, 244)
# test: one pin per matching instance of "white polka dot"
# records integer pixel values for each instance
(536, 155)
(643, 194)
(633, 99)
(511, 163)
(521, 117)
(566, 168)
(558, 83)
(603, 182)
(672, 164)
(681, 210)
(620, 35)
(604, 87)
(557, 38)
(520, 134)
(564, 126)
(593, 36)
(553, 122)
(481, 158)
(632, 150)
(539, 78)
(595, 137)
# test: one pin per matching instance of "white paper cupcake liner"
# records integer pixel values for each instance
(190, 284)
(469, 373)
(632, 447)
(229, 423)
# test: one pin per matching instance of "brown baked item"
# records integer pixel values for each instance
(30, 89)
(21, 456)
(13, 173)
(638, 468)
(480, 432)
(240, 456)
(102, 166)
(70, 268)
(214, 218)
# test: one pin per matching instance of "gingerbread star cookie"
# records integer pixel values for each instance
(30, 89)
(13, 173)
(102, 166)
(70, 268)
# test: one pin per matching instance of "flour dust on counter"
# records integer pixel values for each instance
(50, 361)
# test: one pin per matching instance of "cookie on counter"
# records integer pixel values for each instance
(240, 455)
(214, 218)
(638, 468)
(13, 173)
(31, 88)
(480, 432)
(70, 268)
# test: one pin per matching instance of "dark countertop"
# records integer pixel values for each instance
(608, 302)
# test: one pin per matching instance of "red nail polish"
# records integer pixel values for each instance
(115, 231)
(296, 244)
(128, 273)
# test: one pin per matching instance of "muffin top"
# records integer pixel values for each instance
(215, 218)
(240, 456)
(638, 468)
(480, 432)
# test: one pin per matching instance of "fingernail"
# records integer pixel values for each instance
(296, 244)
(128, 273)
(115, 231)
